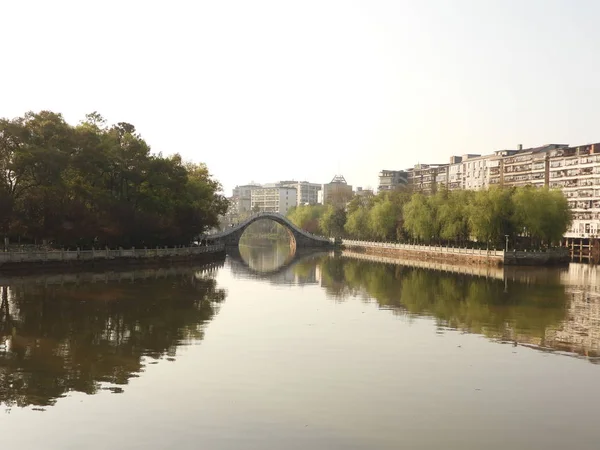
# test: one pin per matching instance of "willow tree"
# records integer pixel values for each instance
(543, 215)
(420, 218)
(491, 215)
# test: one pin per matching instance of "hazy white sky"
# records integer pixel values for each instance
(268, 90)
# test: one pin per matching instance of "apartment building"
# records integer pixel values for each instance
(391, 179)
(360, 192)
(424, 177)
(306, 193)
(241, 200)
(573, 170)
(468, 171)
(273, 199)
(576, 171)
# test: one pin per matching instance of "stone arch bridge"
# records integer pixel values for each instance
(298, 237)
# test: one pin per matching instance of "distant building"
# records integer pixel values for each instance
(424, 177)
(391, 179)
(306, 193)
(337, 192)
(241, 200)
(363, 192)
(273, 199)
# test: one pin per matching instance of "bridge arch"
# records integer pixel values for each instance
(298, 237)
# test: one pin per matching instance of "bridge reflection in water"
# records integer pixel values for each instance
(276, 263)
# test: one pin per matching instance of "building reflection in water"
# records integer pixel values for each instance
(88, 336)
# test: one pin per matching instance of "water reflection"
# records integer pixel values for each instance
(276, 263)
(529, 307)
(267, 257)
(87, 337)
(90, 332)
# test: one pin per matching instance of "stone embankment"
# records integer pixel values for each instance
(129, 274)
(61, 258)
(463, 256)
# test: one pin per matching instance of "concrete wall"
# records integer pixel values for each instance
(452, 255)
(8, 259)
(558, 256)
(428, 253)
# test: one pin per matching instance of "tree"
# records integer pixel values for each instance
(420, 218)
(357, 223)
(307, 217)
(383, 218)
(94, 184)
(453, 216)
(491, 215)
(541, 215)
(332, 221)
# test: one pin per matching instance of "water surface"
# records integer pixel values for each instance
(266, 351)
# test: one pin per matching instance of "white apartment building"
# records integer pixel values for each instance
(306, 193)
(475, 172)
(273, 199)
(465, 172)
(241, 200)
(576, 171)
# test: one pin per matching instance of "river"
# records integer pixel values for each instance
(269, 351)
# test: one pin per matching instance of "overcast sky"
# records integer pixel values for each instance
(267, 90)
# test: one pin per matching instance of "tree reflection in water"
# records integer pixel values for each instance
(525, 312)
(83, 337)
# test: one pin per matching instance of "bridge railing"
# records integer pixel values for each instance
(104, 254)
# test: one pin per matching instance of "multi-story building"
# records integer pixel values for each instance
(573, 170)
(576, 171)
(360, 192)
(453, 178)
(527, 167)
(337, 192)
(391, 179)
(241, 200)
(273, 199)
(475, 172)
(307, 193)
(423, 177)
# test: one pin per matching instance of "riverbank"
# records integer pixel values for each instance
(103, 275)
(461, 256)
(78, 259)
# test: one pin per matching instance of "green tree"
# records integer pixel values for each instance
(491, 215)
(541, 214)
(453, 216)
(420, 218)
(332, 221)
(307, 217)
(383, 219)
(357, 223)
(94, 184)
